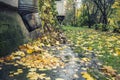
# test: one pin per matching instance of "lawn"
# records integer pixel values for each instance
(105, 45)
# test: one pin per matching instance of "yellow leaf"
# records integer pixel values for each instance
(23, 47)
(36, 49)
(16, 73)
(87, 76)
(19, 53)
(47, 78)
(45, 38)
(29, 51)
(29, 46)
(90, 48)
(108, 70)
(86, 59)
(57, 42)
(32, 69)
(19, 70)
(48, 45)
(117, 51)
(42, 69)
(43, 74)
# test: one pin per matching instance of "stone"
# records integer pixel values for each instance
(12, 31)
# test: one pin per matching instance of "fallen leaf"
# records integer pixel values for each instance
(117, 51)
(75, 76)
(47, 78)
(19, 70)
(43, 69)
(57, 42)
(30, 51)
(84, 68)
(87, 76)
(86, 59)
(15, 64)
(32, 69)
(108, 70)
(15, 73)
(90, 48)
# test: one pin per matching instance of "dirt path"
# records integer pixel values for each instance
(72, 68)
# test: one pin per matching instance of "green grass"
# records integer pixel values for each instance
(105, 45)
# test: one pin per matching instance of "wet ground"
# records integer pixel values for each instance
(75, 63)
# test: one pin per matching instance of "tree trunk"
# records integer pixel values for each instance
(105, 22)
(89, 20)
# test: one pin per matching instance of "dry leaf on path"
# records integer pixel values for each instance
(108, 70)
(87, 76)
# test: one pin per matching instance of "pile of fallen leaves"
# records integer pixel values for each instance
(41, 61)
(35, 54)
(53, 38)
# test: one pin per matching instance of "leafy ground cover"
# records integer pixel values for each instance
(88, 55)
(31, 58)
(44, 59)
(105, 45)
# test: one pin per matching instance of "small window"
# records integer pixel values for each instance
(29, 13)
(32, 21)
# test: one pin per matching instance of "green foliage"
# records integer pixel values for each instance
(47, 14)
(99, 14)
(115, 17)
(69, 17)
(82, 18)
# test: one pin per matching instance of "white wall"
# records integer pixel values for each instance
(60, 5)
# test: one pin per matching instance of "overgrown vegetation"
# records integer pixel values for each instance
(47, 13)
(50, 28)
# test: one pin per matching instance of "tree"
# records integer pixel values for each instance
(69, 20)
(115, 18)
(88, 13)
(47, 14)
(105, 8)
